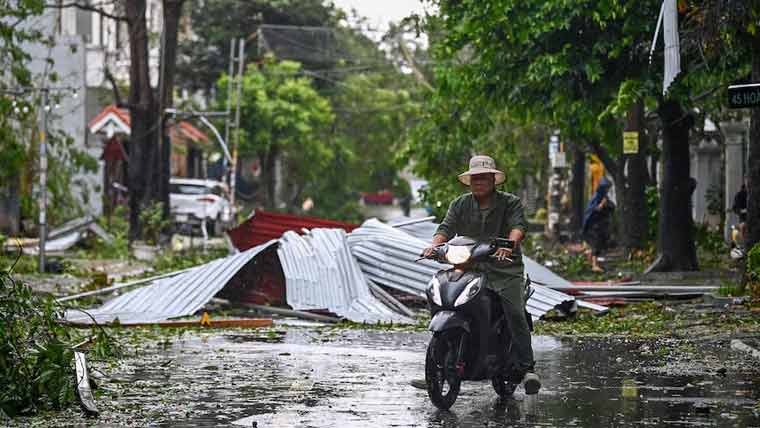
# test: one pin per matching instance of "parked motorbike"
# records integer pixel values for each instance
(471, 339)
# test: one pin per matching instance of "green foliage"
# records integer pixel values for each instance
(283, 115)
(35, 351)
(753, 274)
(22, 263)
(710, 241)
(648, 319)
(203, 58)
(153, 222)
(118, 227)
(170, 261)
(753, 263)
(645, 319)
(507, 67)
(653, 212)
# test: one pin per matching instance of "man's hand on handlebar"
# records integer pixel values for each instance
(503, 254)
(428, 252)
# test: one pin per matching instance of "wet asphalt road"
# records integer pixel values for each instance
(309, 377)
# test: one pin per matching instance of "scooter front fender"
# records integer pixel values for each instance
(447, 320)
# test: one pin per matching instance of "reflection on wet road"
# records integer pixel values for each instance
(349, 378)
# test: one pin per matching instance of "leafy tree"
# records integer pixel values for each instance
(582, 67)
(556, 63)
(283, 117)
(373, 118)
(205, 57)
(15, 74)
(731, 29)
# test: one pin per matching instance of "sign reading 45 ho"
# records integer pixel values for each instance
(744, 96)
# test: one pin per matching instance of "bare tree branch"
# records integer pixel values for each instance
(116, 93)
(416, 71)
(90, 8)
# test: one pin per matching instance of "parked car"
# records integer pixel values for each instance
(193, 200)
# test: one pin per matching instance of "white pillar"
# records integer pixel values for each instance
(703, 171)
(734, 133)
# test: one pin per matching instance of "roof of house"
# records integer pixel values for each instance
(115, 120)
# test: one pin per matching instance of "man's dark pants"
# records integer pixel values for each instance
(509, 283)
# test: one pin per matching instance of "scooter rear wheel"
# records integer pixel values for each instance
(442, 389)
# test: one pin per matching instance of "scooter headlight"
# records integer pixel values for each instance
(470, 291)
(458, 254)
(435, 291)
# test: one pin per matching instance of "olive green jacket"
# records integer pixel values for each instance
(465, 218)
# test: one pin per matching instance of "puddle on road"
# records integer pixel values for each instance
(326, 378)
(351, 378)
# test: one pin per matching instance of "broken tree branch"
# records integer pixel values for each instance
(116, 93)
(89, 8)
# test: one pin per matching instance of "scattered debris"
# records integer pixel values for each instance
(738, 345)
(389, 300)
(84, 390)
(201, 322)
(61, 238)
(319, 269)
(321, 273)
(387, 257)
(170, 297)
(122, 285)
(293, 313)
(263, 226)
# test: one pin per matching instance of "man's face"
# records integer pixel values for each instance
(482, 184)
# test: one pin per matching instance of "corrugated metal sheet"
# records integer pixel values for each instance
(264, 226)
(321, 273)
(423, 230)
(173, 297)
(387, 256)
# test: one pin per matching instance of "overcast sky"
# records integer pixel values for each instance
(381, 12)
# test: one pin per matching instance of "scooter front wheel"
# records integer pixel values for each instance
(503, 388)
(442, 385)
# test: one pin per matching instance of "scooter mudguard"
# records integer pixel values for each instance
(447, 320)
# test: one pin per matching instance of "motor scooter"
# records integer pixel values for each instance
(471, 339)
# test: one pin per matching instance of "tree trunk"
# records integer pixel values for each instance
(631, 185)
(172, 12)
(142, 109)
(675, 237)
(577, 190)
(753, 196)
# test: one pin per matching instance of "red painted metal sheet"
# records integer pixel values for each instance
(260, 282)
(265, 226)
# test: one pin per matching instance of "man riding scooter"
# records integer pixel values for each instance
(483, 213)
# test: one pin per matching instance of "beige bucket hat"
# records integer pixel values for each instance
(482, 164)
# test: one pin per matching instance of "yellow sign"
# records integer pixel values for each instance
(630, 142)
(205, 320)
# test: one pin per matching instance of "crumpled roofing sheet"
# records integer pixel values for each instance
(387, 257)
(173, 297)
(321, 273)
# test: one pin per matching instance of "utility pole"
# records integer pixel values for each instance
(44, 108)
(43, 178)
(241, 67)
(230, 81)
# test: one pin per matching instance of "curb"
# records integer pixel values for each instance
(738, 345)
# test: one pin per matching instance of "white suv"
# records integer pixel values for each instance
(193, 200)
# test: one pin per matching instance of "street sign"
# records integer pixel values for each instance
(744, 96)
(630, 142)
